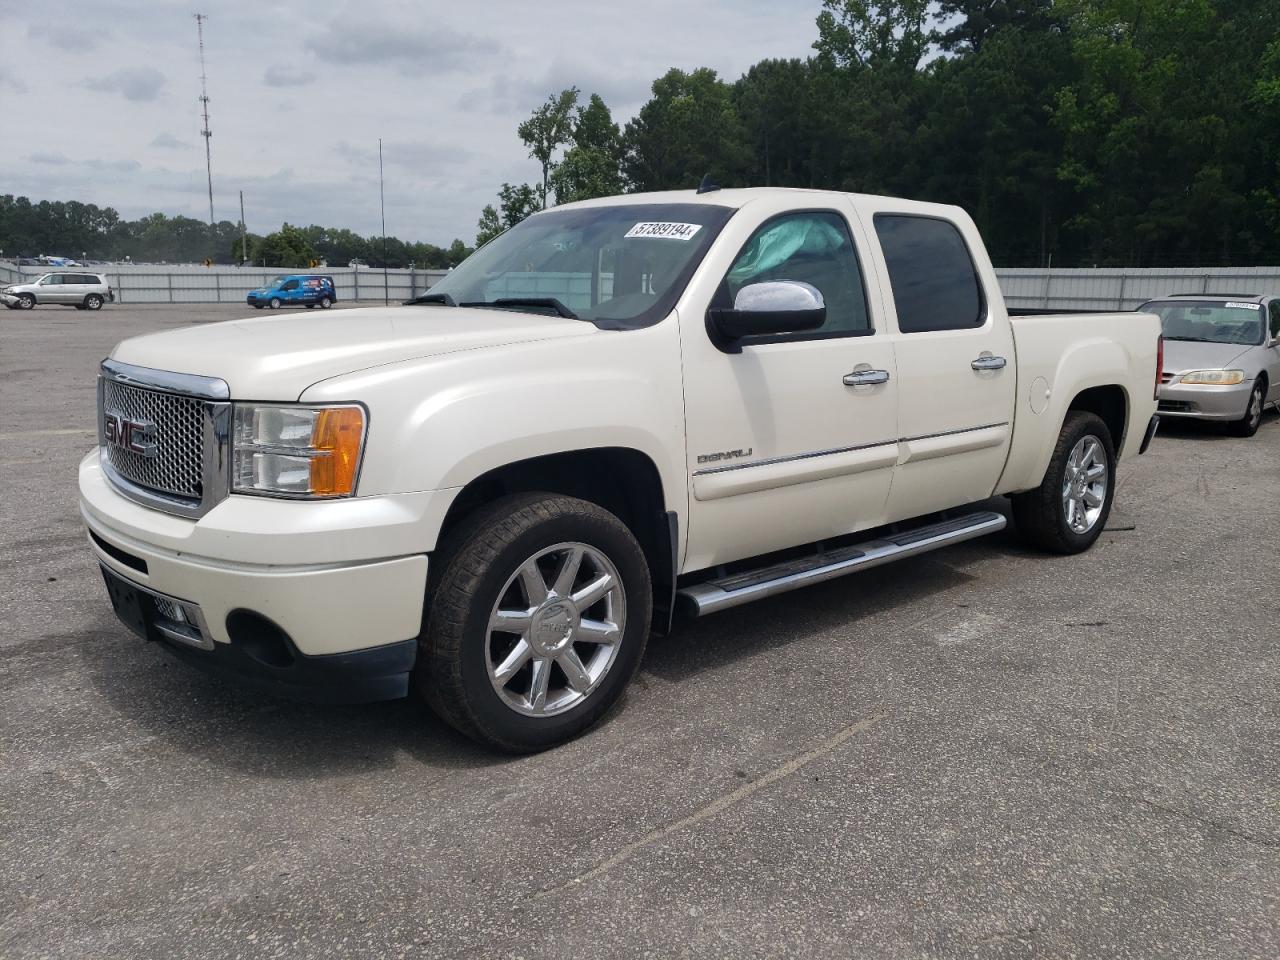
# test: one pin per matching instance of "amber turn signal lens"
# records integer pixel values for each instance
(338, 434)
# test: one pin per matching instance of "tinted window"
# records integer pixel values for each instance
(814, 248)
(935, 286)
(290, 285)
(1275, 318)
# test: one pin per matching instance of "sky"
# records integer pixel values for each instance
(100, 99)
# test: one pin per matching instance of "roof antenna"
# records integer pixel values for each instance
(708, 184)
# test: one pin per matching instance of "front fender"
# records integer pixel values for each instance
(439, 422)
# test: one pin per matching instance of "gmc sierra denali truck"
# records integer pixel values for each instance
(616, 409)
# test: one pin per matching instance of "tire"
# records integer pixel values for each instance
(483, 567)
(275, 303)
(1248, 425)
(1042, 514)
(325, 303)
(26, 301)
(93, 302)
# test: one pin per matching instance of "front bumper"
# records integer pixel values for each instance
(338, 584)
(9, 300)
(1204, 402)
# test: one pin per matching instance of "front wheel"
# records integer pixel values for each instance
(275, 303)
(1069, 510)
(537, 622)
(1248, 425)
(26, 301)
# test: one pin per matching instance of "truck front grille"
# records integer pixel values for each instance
(177, 423)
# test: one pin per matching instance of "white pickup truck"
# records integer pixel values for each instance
(618, 408)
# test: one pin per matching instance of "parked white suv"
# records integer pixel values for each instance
(617, 407)
(84, 291)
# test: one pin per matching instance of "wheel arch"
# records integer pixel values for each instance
(622, 480)
(1110, 403)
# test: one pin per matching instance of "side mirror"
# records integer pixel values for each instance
(772, 307)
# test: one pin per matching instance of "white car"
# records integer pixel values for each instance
(617, 408)
(84, 291)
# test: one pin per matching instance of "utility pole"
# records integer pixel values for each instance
(244, 235)
(382, 201)
(204, 106)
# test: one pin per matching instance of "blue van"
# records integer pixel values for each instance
(295, 289)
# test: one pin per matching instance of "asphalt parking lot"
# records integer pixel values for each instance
(983, 752)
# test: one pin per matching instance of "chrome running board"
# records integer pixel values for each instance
(739, 588)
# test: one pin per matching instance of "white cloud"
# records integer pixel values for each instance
(167, 141)
(278, 76)
(133, 83)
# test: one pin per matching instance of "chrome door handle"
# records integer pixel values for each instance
(989, 363)
(866, 378)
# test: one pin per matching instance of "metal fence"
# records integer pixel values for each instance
(1084, 289)
(142, 283)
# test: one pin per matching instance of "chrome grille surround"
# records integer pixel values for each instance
(190, 419)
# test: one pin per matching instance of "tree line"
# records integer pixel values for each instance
(85, 230)
(1077, 132)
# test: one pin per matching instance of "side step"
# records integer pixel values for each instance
(731, 591)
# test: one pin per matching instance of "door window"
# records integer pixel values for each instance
(814, 248)
(935, 285)
(51, 281)
(1275, 319)
(290, 285)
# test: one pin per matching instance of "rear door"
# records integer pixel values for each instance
(956, 370)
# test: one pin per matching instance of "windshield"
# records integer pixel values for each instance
(1209, 321)
(621, 266)
(277, 281)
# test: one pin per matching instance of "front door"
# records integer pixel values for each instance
(784, 445)
(957, 374)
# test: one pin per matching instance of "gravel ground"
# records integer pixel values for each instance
(983, 752)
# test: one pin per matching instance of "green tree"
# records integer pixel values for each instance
(547, 130)
(689, 128)
(287, 247)
(489, 226)
(591, 165)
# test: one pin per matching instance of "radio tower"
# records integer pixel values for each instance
(204, 106)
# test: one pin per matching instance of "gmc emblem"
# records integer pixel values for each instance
(136, 436)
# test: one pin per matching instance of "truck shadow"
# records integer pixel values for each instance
(225, 725)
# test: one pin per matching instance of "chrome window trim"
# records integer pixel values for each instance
(166, 381)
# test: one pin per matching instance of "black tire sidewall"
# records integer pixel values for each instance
(497, 721)
(93, 302)
(1085, 426)
(1245, 427)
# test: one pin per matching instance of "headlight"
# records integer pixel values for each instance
(297, 451)
(1217, 378)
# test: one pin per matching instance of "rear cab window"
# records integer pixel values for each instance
(935, 284)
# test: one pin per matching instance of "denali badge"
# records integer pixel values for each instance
(725, 455)
(136, 436)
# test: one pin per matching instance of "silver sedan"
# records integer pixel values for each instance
(1221, 357)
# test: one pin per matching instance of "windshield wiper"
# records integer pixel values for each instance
(550, 303)
(442, 298)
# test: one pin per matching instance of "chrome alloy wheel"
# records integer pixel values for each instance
(554, 633)
(1084, 484)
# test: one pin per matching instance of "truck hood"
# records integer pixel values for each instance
(278, 357)
(1183, 355)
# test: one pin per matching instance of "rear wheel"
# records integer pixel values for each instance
(1248, 425)
(537, 622)
(93, 302)
(1069, 510)
(325, 303)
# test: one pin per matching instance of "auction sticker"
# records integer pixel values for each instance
(1230, 304)
(664, 231)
